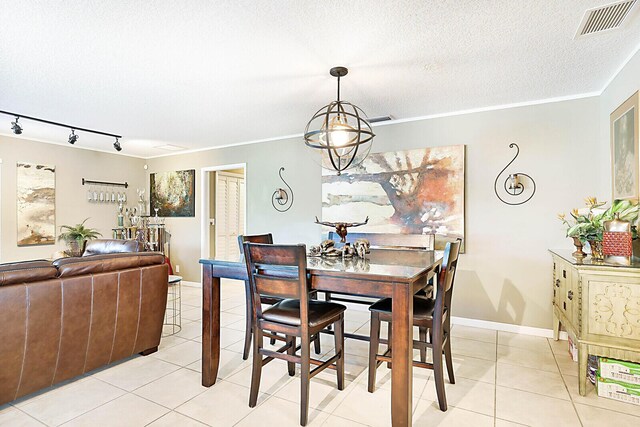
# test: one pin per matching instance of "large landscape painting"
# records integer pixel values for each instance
(36, 204)
(410, 192)
(173, 193)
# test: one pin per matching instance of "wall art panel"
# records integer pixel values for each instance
(173, 193)
(36, 204)
(408, 192)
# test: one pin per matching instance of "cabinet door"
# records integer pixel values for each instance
(614, 306)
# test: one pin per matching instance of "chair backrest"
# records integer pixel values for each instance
(280, 271)
(446, 278)
(256, 238)
(390, 241)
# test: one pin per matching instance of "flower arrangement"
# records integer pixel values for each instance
(587, 225)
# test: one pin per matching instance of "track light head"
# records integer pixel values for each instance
(73, 137)
(15, 127)
(117, 146)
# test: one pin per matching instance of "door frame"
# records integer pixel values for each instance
(204, 203)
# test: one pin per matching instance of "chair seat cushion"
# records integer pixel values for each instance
(422, 307)
(271, 300)
(288, 312)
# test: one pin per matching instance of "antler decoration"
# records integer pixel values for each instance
(341, 227)
(513, 185)
(281, 196)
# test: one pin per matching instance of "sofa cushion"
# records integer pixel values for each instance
(110, 246)
(27, 271)
(76, 266)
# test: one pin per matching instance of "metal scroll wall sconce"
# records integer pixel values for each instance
(281, 199)
(516, 185)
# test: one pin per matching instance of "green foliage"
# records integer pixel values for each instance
(77, 233)
(590, 225)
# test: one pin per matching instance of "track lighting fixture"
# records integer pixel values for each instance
(73, 137)
(15, 127)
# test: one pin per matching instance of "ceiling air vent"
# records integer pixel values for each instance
(380, 119)
(605, 18)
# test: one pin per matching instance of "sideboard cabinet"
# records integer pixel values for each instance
(599, 306)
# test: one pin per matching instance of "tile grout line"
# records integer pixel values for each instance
(573, 404)
(29, 415)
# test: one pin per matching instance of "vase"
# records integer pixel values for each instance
(596, 250)
(578, 252)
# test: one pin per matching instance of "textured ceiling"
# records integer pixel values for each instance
(211, 73)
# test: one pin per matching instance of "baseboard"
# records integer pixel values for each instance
(475, 323)
(506, 327)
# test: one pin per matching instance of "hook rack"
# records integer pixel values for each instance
(112, 184)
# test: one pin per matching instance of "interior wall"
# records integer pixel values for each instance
(72, 164)
(505, 275)
(626, 83)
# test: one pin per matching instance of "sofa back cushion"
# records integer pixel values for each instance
(27, 271)
(76, 266)
(111, 246)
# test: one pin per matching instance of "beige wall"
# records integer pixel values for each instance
(72, 164)
(626, 83)
(505, 275)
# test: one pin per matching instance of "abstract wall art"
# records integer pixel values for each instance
(173, 193)
(624, 150)
(36, 204)
(408, 192)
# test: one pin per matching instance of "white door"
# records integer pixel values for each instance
(229, 219)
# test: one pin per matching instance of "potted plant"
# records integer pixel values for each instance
(587, 226)
(76, 237)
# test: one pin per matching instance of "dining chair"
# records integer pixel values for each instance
(432, 315)
(281, 271)
(264, 299)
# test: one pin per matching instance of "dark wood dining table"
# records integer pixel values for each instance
(397, 274)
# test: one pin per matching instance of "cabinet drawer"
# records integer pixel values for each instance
(564, 294)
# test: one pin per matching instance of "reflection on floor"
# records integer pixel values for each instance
(503, 379)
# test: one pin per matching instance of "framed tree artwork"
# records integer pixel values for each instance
(403, 192)
(173, 193)
(625, 179)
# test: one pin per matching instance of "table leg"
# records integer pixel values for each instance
(402, 355)
(583, 359)
(210, 326)
(556, 326)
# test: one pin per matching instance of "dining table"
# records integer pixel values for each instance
(395, 273)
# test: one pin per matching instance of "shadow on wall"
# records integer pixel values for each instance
(471, 298)
(511, 305)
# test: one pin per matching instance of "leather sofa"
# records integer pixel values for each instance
(61, 319)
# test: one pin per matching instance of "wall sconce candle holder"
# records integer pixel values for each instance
(280, 198)
(514, 184)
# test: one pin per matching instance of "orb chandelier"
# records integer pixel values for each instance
(341, 132)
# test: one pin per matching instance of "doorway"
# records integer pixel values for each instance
(223, 210)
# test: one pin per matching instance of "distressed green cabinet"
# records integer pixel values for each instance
(599, 305)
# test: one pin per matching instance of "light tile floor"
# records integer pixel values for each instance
(503, 379)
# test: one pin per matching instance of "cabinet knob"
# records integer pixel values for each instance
(558, 283)
(570, 294)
